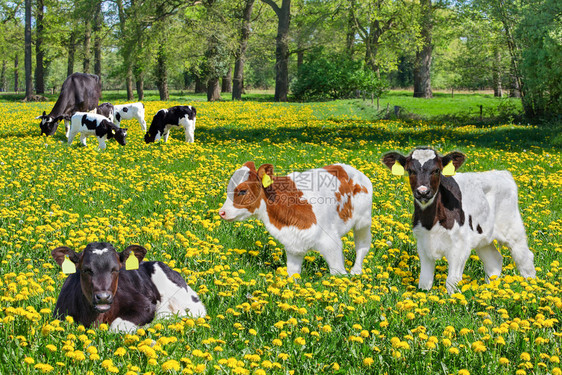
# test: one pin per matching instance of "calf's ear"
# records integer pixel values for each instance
(456, 157)
(250, 165)
(390, 158)
(265, 174)
(61, 252)
(138, 250)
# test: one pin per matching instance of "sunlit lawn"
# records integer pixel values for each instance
(166, 198)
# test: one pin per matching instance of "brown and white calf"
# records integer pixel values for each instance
(306, 210)
(458, 213)
(103, 291)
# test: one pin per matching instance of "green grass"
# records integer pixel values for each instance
(166, 196)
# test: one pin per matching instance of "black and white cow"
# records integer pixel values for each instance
(165, 119)
(106, 109)
(93, 124)
(79, 92)
(457, 212)
(130, 111)
(103, 291)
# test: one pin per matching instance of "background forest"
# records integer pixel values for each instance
(304, 49)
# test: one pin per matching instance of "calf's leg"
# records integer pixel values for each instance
(294, 262)
(121, 325)
(362, 245)
(523, 257)
(331, 249)
(457, 260)
(491, 259)
(427, 270)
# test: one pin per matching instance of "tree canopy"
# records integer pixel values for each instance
(311, 46)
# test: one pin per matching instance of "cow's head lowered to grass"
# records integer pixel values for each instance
(98, 266)
(425, 168)
(48, 123)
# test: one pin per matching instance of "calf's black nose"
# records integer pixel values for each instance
(103, 298)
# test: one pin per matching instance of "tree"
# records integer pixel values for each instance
(240, 55)
(283, 13)
(385, 27)
(98, 23)
(422, 64)
(540, 37)
(27, 58)
(39, 54)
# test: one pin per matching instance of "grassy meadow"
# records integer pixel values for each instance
(166, 197)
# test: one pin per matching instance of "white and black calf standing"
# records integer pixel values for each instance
(93, 124)
(103, 291)
(165, 119)
(129, 111)
(458, 213)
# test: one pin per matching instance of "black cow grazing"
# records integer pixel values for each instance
(165, 119)
(106, 109)
(79, 92)
(103, 291)
(93, 124)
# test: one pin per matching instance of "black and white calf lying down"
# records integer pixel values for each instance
(103, 291)
(165, 119)
(457, 212)
(88, 124)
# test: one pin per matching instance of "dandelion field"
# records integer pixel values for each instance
(166, 197)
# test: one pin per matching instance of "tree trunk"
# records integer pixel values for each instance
(497, 74)
(27, 59)
(98, 21)
(238, 80)
(162, 74)
(200, 86)
(129, 82)
(87, 41)
(71, 52)
(300, 59)
(16, 73)
(3, 81)
(422, 64)
(282, 49)
(39, 67)
(351, 31)
(126, 50)
(213, 90)
(514, 89)
(227, 81)
(140, 86)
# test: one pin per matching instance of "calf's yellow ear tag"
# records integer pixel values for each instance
(397, 169)
(266, 180)
(449, 170)
(67, 266)
(132, 263)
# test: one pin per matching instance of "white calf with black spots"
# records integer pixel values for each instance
(88, 124)
(129, 111)
(166, 119)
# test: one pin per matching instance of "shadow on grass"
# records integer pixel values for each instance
(511, 138)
